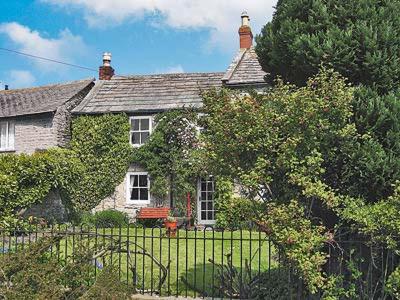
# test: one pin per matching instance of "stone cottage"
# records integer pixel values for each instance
(141, 97)
(38, 118)
(35, 119)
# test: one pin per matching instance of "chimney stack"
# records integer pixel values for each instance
(245, 34)
(6, 87)
(106, 71)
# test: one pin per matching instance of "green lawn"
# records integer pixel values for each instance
(188, 253)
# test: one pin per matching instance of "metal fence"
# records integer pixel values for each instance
(193, 262)
(203, 263)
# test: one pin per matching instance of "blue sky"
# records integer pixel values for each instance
(157, 36)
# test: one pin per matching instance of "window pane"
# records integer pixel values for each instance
(203, 196)
(210, 195)
(135, 180)
(135, 194)
(144, 124)
(136, 138)
(144, 194)
(203, 186)
(3, 127)
(203, 215)
(210, 186)
(11, 133)
(135, 124)
(210, 215)
(145, 136)
(203, 205)
(209, 205)
(143, 180)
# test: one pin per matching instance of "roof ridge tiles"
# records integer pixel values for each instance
(60, 84)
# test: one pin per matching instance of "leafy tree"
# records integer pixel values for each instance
(297, 146)
(359, 39)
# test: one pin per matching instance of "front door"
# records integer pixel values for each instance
(205, 205)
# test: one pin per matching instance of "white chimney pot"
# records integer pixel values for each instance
(106, 59)
(245, 19)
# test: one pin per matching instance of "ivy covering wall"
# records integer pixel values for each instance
(172, 156)
(97, 161)
(86, 173)
(101, 144)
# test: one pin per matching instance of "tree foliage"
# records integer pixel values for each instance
(296, 149)
(359, 39)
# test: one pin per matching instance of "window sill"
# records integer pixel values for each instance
(7, 150)
(137, 145)
(138, 203)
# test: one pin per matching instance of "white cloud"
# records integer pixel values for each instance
(222, 17)
(19, 79)
(65, 47)
(171, 70)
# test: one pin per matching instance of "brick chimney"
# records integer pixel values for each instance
(106, 71)
(245, 34)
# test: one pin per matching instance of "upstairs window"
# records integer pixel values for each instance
(7, 136)
(140, 130)
(138, 188)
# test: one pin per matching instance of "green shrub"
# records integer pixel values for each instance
(234, 212)
(34, 274)
(149, 223)
(393, 283)
(109, 218)
(26, 180)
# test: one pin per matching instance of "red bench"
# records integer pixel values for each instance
(153, 213)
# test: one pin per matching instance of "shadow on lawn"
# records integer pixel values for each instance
(272, 284)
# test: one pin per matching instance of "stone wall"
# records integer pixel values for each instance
(63, 118)
(46, 130)
(34, 132)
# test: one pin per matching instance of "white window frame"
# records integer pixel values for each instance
(150, 118)
(200, 221)
(9, 138)
(128, 189)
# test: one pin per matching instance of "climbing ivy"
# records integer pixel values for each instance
(85, 174)
(171, 155)
(101, 144)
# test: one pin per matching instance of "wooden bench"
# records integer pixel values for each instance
(153, 213)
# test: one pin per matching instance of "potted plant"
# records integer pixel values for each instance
(170, 224)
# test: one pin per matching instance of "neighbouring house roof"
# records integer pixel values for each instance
(148, 93)
(42, 99)
(245, 69)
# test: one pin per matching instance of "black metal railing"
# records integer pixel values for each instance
(155, 262)
(204, 262)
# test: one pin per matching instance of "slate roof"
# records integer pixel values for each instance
(148, 93)
(245, 69)
(42, 99)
